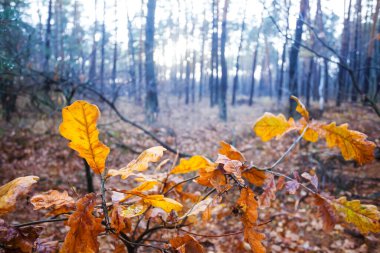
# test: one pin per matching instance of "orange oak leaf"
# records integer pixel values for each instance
(231, 152)
(270, 126)
(84, 228)
(269, 192)
(192, 164)
(326, 211)
(141, 163)
(58, 202)
(254, 239)
(254, 176)
(214, 179)
(248, 205)
(352, 144)
(231, 167)
(186, 244)
(11, 191)
(79, 126)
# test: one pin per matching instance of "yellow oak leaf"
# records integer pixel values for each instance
(134, 210)
(269, 126)
(231, 152)
(165, 204)
(186, 244)
(141, 163)
(145, 186)
(84, 228)
(352, 144)
(301, 109)
(366, 218)
(11, 191)
(79, 126)
(59, 202)
(192, 164)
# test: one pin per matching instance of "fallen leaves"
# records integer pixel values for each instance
(79, 126)
(84, 228)
(11, 191)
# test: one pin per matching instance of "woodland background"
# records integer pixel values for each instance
(189, 74)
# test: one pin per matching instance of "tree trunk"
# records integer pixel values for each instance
(293, 57)
(223, 83)
(92, 71)
(151, 100)
(356, 53)
(47, 37)
(343, 57)
(102, 49)
(237, 66)
(254, 63)
(370, 50)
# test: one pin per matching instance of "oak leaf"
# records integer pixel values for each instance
(231, 152)
(118, 221)
(269, 192)
(134, 210)
(269, 126)
(166, 204)
(186, 244)
(254, 239)
(192, 164)
(301, 109)
(248, 205)
(58, 202)
(200, 207)
(254, 176)
(366, 218)
(84, 228)
(141, 163)
(326, 212)
(11, 191)
(79, 126)
(352, 144)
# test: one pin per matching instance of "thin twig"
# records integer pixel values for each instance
(39, 222)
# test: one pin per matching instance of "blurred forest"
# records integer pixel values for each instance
(186, 74)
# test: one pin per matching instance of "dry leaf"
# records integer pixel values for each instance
(186, 244)
(134, 210)
(84, 228)
(59, 202)
(192, 164)
(231, 152)
(269, 192)
(118, 221)
(141, 163)
(165, 204)
(326, 211)
(11, 191)
(366, 218)
(352, 144)
(201, 206)
(79, 126)
(301, 109)
(254, 176)
(269, 126)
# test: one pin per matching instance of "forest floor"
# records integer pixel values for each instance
(33, 146)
